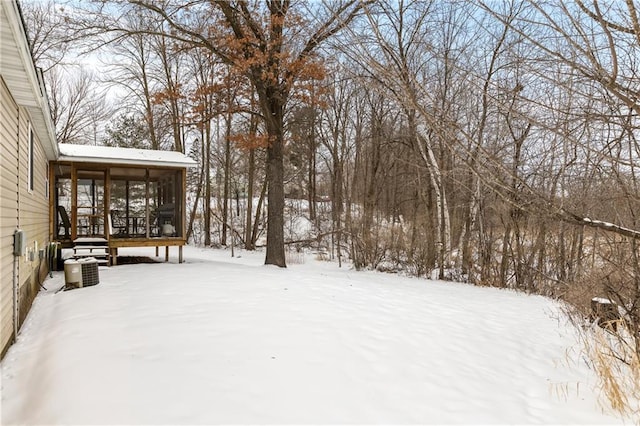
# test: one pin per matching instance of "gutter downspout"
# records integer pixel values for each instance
(16, 312)
(16, 261)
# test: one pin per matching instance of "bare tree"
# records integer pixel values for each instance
(45, 22)
(337, 134)
(396, 56)
(77, 107)
(133, 72)
(273, 58)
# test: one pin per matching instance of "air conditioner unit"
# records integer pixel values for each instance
(90, 274)
(72, 273)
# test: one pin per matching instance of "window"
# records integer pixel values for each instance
(30, 176)
(46, 183)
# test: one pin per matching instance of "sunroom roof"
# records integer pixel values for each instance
(126, 156)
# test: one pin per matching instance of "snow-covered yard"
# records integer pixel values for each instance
(228, 340)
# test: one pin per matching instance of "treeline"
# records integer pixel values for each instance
(489, 142)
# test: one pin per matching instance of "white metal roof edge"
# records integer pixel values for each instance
(46, 112)
(127, 162)
(180, 160)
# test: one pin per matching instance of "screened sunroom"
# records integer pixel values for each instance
(124, 197)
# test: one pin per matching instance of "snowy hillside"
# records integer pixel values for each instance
(228, 340)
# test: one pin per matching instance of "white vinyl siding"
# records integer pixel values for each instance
(9, 183)
(27, 143)
(34, 206)
(21, 154)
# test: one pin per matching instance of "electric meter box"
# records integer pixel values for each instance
(19, 243)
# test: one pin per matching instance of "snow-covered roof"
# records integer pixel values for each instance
(125, 156)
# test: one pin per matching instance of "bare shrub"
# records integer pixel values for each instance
(613, 357)
(294, 255)
(368, 249)
(613, 350)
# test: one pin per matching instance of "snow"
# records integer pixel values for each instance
(84, 240)
(602, 300)
(228, 340)
(106, 154)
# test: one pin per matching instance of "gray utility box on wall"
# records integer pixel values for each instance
(19, 243)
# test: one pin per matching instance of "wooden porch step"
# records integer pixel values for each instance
(75, 248)
(99, 252)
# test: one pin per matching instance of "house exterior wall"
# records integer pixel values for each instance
(8, 209)
(20, 208)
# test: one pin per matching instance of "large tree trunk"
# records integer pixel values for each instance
(275, 182)
(275, 206)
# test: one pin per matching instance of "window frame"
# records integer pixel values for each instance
(46, 182)
(31, 160)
